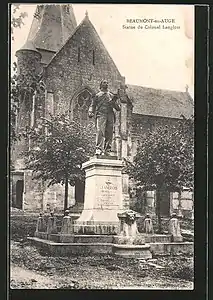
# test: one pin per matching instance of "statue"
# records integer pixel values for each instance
(128, 228)
(102, 107)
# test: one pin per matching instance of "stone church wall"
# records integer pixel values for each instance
(82, 62)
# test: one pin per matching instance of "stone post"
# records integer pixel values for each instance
(41, 226)
(148, 226)
(52, 224)
(174, 229)
(66, 224)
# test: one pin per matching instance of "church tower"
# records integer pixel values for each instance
(52, 25)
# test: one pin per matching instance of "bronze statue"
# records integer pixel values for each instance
(102, 107)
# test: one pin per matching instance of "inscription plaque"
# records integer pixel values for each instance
(107, 195)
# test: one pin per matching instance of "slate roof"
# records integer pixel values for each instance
(52, 25)
(29, 45)
(162, 103)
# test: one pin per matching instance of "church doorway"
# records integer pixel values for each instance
(19, 194)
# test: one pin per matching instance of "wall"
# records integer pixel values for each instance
(71, 70)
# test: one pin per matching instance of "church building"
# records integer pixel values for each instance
(71, 61)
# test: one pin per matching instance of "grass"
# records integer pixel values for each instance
(96, 271)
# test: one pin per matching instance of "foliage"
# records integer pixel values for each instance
(165, 158)
(19, 93)
(58, 149)
(16, 20)
(22, 226)
(61, 152)
(180, 268)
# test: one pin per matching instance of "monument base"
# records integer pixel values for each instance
(103, 197)
(96, 228)
(139, 251)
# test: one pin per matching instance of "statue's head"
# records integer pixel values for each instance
(104, 84)
(130, 217)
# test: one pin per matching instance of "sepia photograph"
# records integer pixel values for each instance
(101, 146)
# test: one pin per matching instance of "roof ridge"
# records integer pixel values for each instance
(85, 19)
(159, 89)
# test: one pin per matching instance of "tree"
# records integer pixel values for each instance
(57, 157)
(16, 20)
(15, 93)
(165, 160)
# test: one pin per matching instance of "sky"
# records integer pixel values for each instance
(157, 58)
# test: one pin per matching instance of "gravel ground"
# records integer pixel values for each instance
(30, 270)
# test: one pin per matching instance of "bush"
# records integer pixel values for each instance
(180, 268)
(22, 226)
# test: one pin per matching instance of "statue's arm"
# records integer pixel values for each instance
(115, 102)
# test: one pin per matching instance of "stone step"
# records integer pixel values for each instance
(71, 238)
(100, 238)
(156, 249)
(157, 238)
(77, 208)
(178, 248)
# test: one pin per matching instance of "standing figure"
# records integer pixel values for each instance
(102, 106)
(174, 228)
(148, 226)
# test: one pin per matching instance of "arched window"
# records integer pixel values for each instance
(81, 106)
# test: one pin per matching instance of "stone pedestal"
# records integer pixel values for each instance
(103, 197)
(139, 251)
(41, 226)
(174, 229)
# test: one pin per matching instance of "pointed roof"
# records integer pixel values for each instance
(52, 25)
(29, 45)
(85, 23)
